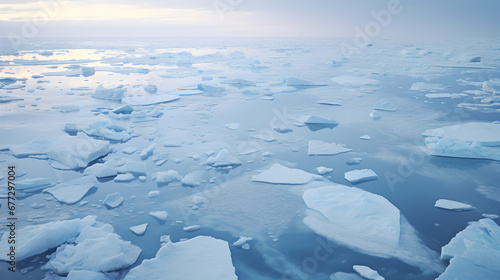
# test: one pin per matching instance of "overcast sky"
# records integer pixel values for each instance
(107, 18)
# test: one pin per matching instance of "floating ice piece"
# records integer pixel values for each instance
(129, 150)
(375, 115)
(85, 275)
(223, 159)
(319, 120)
(107, 130)
(144, 100)
(72, 191)
(167, 177)
(345, 276)
(41, 238)
(72, 152)
(71, 128)
(133, 167)
(68, 108)
(279, 174)
(365, 137)
(152, 194)
(87, 71)
(294, 82)
(445, 95)
(202, 257)
(318, 147)
(232, 126)
(354, 161)
(160, 215)
(191, 179)
(487, 134)
(211, 88)
(151, 88)
(323, 170)
(463, 149)
(38, 146)
(383, 105)
(113, 200)
(33, 184)
(353, 81)
(96, 248)
(268, 137)
(367, 272)
(452, 205)
(148, 151)
(123, 178)
(329, 102)
(139, 229)
(360, 175)
(426, 87)
(125, 109)
(474, 252)
(100, 171)
(113, 94)
(191, 228)
(243, 242)
(282, 129)
(476, 59)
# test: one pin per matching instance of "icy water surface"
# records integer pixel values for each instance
(235, 94)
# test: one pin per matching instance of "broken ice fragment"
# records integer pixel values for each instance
(360, 175)
(100, 171)
(323, 170)
(452, 205)
(191, 228)
(113, 200)
(367, 272)
(318, 147)
(279, 174)
(72, 191)
(160, 215)
(139, 229)
(167, 177)
(383, 105)
(113, 94)
(365, 137)
(223, 159)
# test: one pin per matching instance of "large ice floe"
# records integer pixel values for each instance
(72, 191)
(366, 222)
(201, 257)
(469, 140)
(82, 244)
(474, 253)
(279, 174)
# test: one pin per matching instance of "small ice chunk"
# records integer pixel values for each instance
(319, 120)
(160, 215)
(375, 115)
(88, 71)
(279, 174)
(365, 137)
(211, 88)
(123, 178)
(323, 170)
(294, 82)
(282, 129)
(38, 146)
(383, 105)
(113, 94)
(133, 167)
(367, 272)
(232, 126)
(32, 184)
(71, 128)
(129, 150)
(125, 110)
(151, 88)
(354, 161)
(139, 229)
(329, 102)
(152, 194)
(223, 159)
(318, 147)
(167, 177)
(68, 108)
(107, 130)
(201, 257)
(72, 191)
(452, 205)
(242, 241)
(100, 170)
(148, 151)
(113, 200)
(191, 179)
(67, 152)
(360, 175)
(476, 59)
(191, 228)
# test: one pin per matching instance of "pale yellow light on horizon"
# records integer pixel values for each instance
(78, 11)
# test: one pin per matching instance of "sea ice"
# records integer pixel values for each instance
(223, 159)
(133, 167)
(365, 137)
(474, 252)
(323, 170)
(383, 105)
(367, 272)
(486, 134)
(240, 243)
(33, 184)
(294, 82)
(72, 191)
(167, 177)
(100, 170)
(144, 100)
(148, 151)
(123, 178)
(191, 228)
(452, 205)
(113, 94)
(160, 215)
(318, 147)
(113, 200)
(201, 257)
(319, 120)
(139, 229)
(375, 115)
(360, 175)
(107, 130)
(353, 81)
(279, 174)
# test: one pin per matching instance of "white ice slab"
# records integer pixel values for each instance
(167, 177)
(360, 175)
(452, 205)
(323, 170)
(223, 159)
(383, 105)
(279, 174)
(488, 134)
(72, 191)
(160, 215)
(367, 272)
(139, 229)
(100, 170)
(113, 200)
(199, 258)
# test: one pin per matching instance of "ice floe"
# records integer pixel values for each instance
(354, 81)
(318, 147)
(383, 105)
(160, 215)
(107, 130)
(167, 177)
(201, 257)
(223, 159)
(473, 253)
(100, 170)
(113, 200)
(452, 205)
(279, 174)
(323, 170)
(113, 94)
(367, 272)
(72, 191)
(139, 229)
(360, 175)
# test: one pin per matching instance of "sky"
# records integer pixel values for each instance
(239, 18)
